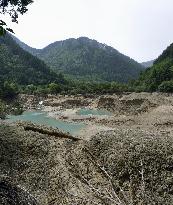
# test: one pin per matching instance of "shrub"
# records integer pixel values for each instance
(2, 110)
(166, 86)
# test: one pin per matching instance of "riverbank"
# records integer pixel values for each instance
(124, 158)
(128, 110)
(131, 110)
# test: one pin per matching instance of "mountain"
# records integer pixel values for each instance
(25, 47)
(19, 66)
(148, 64)
(159, 77)
(87, 59)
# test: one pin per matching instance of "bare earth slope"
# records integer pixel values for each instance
(131, 163)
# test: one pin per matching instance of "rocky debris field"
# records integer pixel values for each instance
(132, 110)
(130, 163)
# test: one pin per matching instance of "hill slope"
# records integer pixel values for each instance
(148, 63)
(160, 75)
(19, 66)
(87, 59)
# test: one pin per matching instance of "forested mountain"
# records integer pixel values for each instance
(19, 66)
(159, 77)
(148, 63)
(87, 59)
(25, 47)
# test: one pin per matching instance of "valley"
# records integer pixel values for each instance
(87, 60)
(86, 102)
(104, 139)
(144, 110)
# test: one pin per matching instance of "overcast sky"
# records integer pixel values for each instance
(140, 29)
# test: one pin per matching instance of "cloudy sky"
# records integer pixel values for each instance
(140, 29)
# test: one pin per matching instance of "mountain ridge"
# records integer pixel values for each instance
(87, 59)
(20, 66)
(148, 64)
(159, 77)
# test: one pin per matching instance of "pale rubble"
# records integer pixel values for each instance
(58, 171)
(146, 110)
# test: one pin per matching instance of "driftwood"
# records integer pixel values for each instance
(50, 132)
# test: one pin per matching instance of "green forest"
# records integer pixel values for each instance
(87, 60)
(159, 77)
(80, 122)
(74, 66)
(21, 72)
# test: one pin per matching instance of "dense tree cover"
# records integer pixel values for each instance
(159, 77)
(2, 110)
(97, 88)
(21, 67)
(167, 54)
(8, 90)
(8, 94)
(13, 8)
(76, 87)
(23, 72)
(88, 60)
(148, 64)
(166, 86)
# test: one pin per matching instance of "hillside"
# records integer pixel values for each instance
(25, 47)
(148, 64)
(19, 66)
(159, 77)
(87, 59)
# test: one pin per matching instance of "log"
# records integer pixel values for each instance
(50, 133)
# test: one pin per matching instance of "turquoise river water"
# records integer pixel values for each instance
(40, 117)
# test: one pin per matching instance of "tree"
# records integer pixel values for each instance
(13, 8)
(2, 110)
(10, 90)
(54, 88)
(166, 86)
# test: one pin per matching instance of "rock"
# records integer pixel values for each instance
(11, 194)
(130, 161)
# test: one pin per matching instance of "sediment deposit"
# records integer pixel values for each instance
(129, 161)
